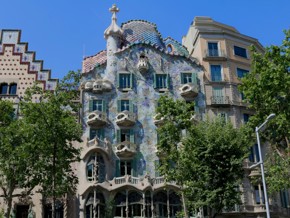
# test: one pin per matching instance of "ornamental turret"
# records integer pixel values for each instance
(113, 36)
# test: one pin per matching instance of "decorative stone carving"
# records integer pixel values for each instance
(158, 119)
(188, 90)
(100, 86)
(97, 118)
(126, 118)
(88, 86)
(126, 149)
(142, 64)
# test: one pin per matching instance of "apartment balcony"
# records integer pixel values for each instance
(126, 118)
(98, 86)
(220, 101)
(158, 120)
(125, 149)
(140, 182)
(188, 90)
(97, 119)
(214, 55)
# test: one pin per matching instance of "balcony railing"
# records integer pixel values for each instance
(220, 100)
(126, 118)
(214, 53)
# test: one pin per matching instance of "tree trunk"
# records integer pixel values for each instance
(9, 206)
(184, 206)
(53, 182)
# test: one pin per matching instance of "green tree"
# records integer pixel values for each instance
(18, 159)
(55, 128)
(267, 88)
(204, 157)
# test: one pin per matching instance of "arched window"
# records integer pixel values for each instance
(169, 48)
(58, 210)
(3, 89)
(98, 200)
(174, 204)
(160, 204)
(96, 169)
(120, 205)
(12, 89)
(135, 204)
(148, 211)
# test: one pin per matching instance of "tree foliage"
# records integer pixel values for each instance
(267, 88)
(37, 149)
(204, 157)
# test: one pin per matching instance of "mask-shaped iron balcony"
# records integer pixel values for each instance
(188, 90)
(126, 118)
(97, 119)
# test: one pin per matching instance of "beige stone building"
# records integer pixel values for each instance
(225, 56)
(19, 69)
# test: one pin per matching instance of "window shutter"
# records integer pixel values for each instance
(131, 80)
(119, 105)
(194, 78)
(118, 80)
(102, 134)
(196, 108)
(132, 136)
(181, 78)
(117, 172)
(104, 106)
(118, 135)
(156, 163)
(154, 81)
(134, 167)
(131, 109)
(167, 81)
(91, 102)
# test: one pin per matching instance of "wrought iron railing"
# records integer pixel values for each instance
(215, 53)
(220, 100)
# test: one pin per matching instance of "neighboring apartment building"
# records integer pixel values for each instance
(119, 91)
(19, 70)
(225, 55)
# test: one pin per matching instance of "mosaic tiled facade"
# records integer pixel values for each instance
(120, 89)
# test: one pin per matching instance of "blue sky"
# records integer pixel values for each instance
(62, 31)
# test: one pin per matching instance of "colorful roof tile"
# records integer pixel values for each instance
(89, 63)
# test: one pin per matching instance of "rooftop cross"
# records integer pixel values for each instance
(114, 10)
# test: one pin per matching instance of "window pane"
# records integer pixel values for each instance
(97, 133)
(124, 80)
(125, 105)
(161, 81)
(3, 88)
(13, 89)
(97, 105)
(241, 72)
(216, 74)
(213, 49)
(242, 52)
(246, 117)
(187, 78)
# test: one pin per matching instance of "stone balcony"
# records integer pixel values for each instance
(126, 118)
(97, 119)
(125, 149)
(188, 90)
(98, 86)
(220, 101)
(158, 120)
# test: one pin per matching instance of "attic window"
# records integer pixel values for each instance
(169, 48)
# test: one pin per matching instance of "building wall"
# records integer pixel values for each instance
(19, 66)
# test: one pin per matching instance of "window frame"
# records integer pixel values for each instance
(212, 77)
(243, 71)
(190, 74)
(217, 52)
(130, 80)
(239, 51)
(2, 85)
(166, 81)
(92, 105)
